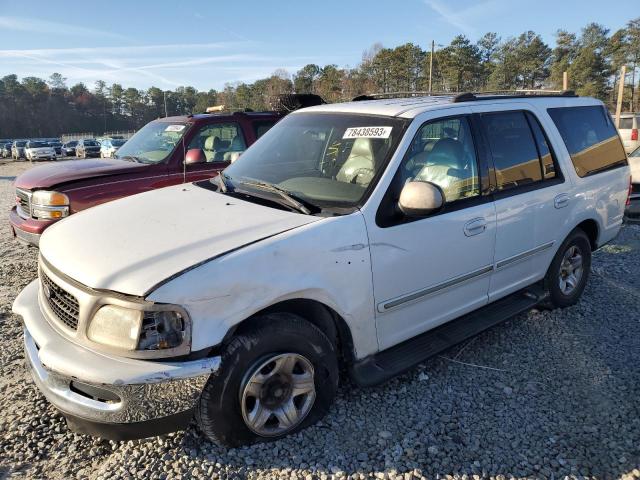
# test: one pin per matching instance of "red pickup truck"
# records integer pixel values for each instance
(165, 152)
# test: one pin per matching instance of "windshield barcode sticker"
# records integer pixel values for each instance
(174, 128)
(367, 132)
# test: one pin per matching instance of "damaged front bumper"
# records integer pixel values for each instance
(105, 395)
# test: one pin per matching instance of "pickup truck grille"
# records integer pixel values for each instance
(23, 200)
(62, 303)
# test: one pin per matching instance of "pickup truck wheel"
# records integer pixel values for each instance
(276, 378)
(567, 276)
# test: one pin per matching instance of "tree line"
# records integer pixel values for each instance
(592, 58)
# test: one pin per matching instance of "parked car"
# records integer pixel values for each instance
(17, 149)
(69, 148)
(5, 150)
(363, 236)
(629, 125)
(87, 147)
(152, 158)
(38, 150)
(57, 146)
(109, 146)
(633, 205)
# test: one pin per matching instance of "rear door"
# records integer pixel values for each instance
(529, 192)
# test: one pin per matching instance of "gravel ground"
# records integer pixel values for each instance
(546, 394)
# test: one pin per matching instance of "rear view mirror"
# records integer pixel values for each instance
(419, 199)
(195, 155)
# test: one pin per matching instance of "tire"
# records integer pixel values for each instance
(562, 291)
(257, 349)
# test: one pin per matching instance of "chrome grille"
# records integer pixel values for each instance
(62, 303)
(23, 200)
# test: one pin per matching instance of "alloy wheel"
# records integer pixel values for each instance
(278, 394)
(571, 270)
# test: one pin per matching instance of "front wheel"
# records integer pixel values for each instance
(569, 271)
(276, 378)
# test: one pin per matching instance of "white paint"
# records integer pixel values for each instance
(265, 255)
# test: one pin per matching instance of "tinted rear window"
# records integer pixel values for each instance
(626, 123)
(514, 151)
(590, 137)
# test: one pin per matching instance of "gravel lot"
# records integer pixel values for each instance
(546, 394)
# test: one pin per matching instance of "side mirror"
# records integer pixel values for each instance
(419, 199)
(195, 155)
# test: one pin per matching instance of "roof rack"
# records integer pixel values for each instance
(469, 96)
(499, 94)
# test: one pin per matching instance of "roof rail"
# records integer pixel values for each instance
(469, 96)
(496, 95)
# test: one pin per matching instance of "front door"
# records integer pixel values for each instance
(430, 270)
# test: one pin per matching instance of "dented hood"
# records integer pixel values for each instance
(50, 175)
(132, 244)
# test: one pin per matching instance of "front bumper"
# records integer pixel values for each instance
(105, 395)
(39, 156)
(27, 230)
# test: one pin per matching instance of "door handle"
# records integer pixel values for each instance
(475, 226)
(561, 200)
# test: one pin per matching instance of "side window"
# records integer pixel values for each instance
(221, 142)
(513, 149)
(547, 156)
(443, 153)
(261, 127)
(590, 137)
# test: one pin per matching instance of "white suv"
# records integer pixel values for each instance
(366, 236)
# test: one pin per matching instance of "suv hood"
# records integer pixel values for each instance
(132, 244)
(47, 176)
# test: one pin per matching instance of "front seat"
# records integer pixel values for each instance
(359, 167)
(446, 168)
(235, 149)
(210, 145)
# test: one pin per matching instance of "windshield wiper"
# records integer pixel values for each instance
(291, 199)
(130, 158)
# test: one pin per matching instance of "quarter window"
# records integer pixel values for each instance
(513, 149)
(443, 153)
(221, 142)
(590, 137)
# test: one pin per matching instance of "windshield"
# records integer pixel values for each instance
(20, 144)
(153, 143)
(117, 143)
(90, 143)
(37, 144)
(325, 159)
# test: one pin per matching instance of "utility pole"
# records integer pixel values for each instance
(623, 72)
(165, 103)
(565, 80)
(433, 48)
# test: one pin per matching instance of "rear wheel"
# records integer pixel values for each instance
(276, 378)
(569, 271)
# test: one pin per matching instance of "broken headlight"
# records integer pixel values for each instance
(159, 328)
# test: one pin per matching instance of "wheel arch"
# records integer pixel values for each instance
(591, 228)
(317, 313)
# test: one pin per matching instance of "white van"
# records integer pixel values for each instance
(628, 128)
(364, 236)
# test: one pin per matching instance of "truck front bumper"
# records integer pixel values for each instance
(27, 230)
(108, 396)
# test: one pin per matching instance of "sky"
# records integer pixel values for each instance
(207, 44)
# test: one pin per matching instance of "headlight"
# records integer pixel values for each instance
(49, 205)
(131, 329)
(116, 326)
